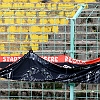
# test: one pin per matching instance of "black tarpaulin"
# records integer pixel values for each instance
(4, 64)
(31, 67)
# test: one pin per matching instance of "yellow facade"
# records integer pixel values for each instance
(3, 29)
(55, 1)
(2, 47)
(11, 37)
(7, 1)
(34, 29)
(43, 21)
(9, 21)
(34, 38)
(31, 21)
(43, 38)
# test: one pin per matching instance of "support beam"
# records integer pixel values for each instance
(72, 85)
(82, 6)
(72, 23)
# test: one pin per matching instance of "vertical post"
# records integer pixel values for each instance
(72, 91)
(72, 23)
(42, 90)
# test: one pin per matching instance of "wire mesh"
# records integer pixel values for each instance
(38, 26)
(87, 30)
(47, 31)
(33, 90)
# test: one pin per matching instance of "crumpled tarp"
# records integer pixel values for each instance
(31, 67)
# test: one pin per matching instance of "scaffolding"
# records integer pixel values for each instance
(49, 31)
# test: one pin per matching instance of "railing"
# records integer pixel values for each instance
(19, 90)
(22, 29)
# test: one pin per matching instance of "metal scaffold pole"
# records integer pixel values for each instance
(72, 23)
